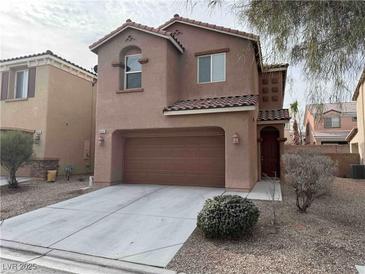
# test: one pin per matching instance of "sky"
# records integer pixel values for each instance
(67, 28)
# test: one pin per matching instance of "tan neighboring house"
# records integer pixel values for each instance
(357, 136)
(188, 103)
(329, 123)
(53, 100)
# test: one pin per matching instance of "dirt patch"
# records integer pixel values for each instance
(36, 194)
(330, 238)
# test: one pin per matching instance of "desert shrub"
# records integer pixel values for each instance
(16, 149)
(310, 174)
(228, 216)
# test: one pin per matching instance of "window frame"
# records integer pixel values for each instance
(331, 117)
(25, 83)
(211, 67)
(128, 72)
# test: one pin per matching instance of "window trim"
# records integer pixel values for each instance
(127, 72)
(331, 117)
(26, 76)
(211, 68)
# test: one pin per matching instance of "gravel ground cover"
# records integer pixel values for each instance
(36, 194)
(330, 238)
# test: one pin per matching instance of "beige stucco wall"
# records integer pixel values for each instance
(29, 114)
(271, 90)
(70, 124)
(167, 77)
(241, 65)
(63, 110)
(360, 136)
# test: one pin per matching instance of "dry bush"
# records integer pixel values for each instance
(310, 173)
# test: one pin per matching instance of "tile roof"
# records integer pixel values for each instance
(216, 102)
(48, 52)
(335, 134)
(275, 66)
(274, 115)
(211, 26)
(361, 81)
(130, 23)
(344, 107)
(351, 135)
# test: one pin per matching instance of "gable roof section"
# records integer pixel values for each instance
(178, 18)
(14, 60)
(234, 32)
(133, 25)
(361, 81)
(342, 107)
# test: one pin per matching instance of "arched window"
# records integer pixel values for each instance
(131, 69)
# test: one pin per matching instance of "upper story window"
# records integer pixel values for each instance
(133, 72)
(332, 122)
(212, 68)
(21, 84)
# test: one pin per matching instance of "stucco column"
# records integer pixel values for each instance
(239, 169)
(108, 158)
(102, 166)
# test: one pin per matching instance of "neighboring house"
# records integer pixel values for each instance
(189, 103)
(54, 100)
(329, 123)
(357, 136)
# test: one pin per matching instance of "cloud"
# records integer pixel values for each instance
(69, 27)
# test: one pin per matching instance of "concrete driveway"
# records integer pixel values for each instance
(144, 224)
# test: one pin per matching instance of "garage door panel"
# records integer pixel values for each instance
(175, 160)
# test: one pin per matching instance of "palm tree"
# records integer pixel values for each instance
(294, 109)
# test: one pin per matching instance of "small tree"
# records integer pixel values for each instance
(16, 149)
(294, 109)
(310, 174)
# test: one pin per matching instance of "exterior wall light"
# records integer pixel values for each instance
(236, 139)
(101, 140)
(37, 136)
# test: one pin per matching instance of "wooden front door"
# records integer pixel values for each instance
(270, 152)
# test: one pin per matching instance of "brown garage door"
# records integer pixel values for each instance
(188, 160)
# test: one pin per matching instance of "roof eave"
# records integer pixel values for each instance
(269, 122)
(96, 45)
(253, 38)
(208, 110)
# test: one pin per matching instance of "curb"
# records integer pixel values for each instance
(72, 262)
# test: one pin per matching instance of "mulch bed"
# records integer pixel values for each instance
(330, 238)
(36, 194)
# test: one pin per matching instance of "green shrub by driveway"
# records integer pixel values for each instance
(228, 216)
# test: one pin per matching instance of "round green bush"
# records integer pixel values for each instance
(227, 216)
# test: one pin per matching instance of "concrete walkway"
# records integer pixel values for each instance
(264, 190)
(143, 224)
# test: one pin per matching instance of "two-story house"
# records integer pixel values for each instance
(329, 123)
(357, 136)
(53, 100)
(188, 103)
